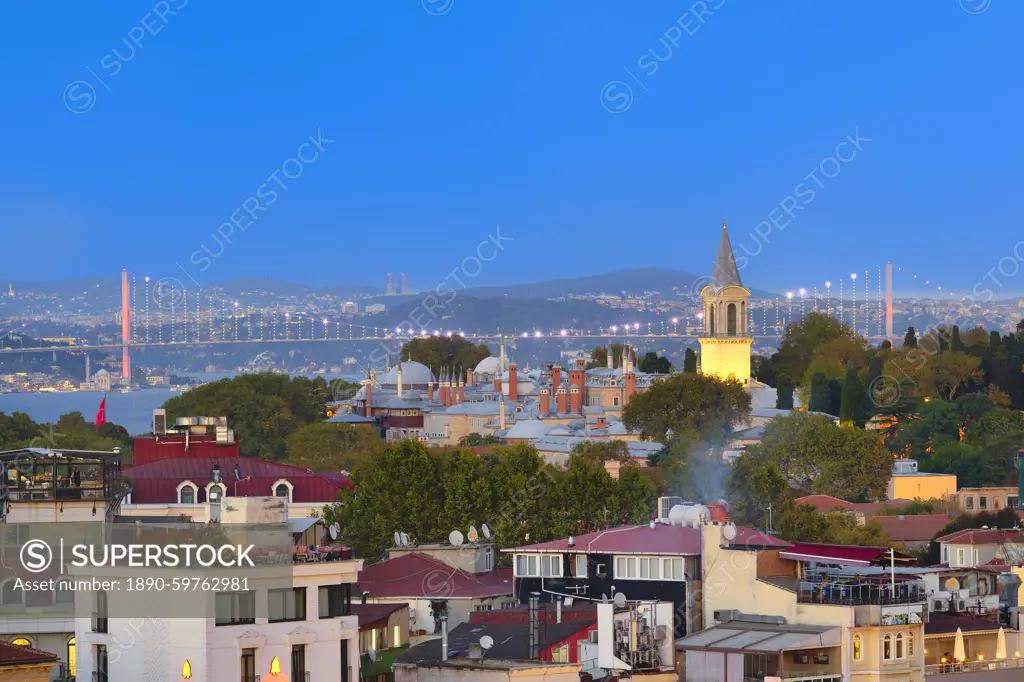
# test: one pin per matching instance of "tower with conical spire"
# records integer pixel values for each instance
(725, 344)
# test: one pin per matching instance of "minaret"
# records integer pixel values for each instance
(399, 378)
(725, 344)
(610, 364)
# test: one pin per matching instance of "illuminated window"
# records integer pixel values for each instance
(899, 645)
(560, 655)
(397, 637)
(21, 641)
(72, 656)
(858, 653)
(887, 647)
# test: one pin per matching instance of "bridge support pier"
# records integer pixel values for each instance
(126, 330)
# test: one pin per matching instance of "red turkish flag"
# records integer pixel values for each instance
(101, 414)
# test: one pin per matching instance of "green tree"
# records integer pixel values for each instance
(851, 411)
(475, 439)
(803, 340)
(467, 497)
(329, 446)
(761, 368)
(437, 352)
(635, 494)
(804, 523)
(784, 394)
(525, 497)
(820, 400)
(263, 409)
(690, 361)
(700, 404)
(586, 493)
(910, 338)
(652, 363)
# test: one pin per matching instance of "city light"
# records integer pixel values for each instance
(853, 275)
(636, 325)
(614, 329)
(803, 292)
(828, 284)
(538, 334)
(565, 333)
(789, 294)
(675, 320)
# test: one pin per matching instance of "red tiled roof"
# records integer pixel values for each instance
(835, 554)
(370, 615)
(661, 539)
(12, 654)
(913, 527)
(946, 624)
(420, 576)
(157, 482)
(982, 536)
(827, 503)
(749, 537)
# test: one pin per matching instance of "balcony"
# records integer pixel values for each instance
(41, 475)
(975, 667)
(860, 592)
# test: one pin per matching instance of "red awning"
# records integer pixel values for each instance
(834, 554)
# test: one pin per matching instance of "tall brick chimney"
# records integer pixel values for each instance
(369, 399)
(430, 390)
(563, 400)
(443, 389)
(630, 379)
(577, 377)
(462, 391)
(513, 382)
(545, 401)
(469, 377)
(556, 378)
(574, 399)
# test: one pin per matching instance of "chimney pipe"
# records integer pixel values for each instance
(513, 382)
(469, 377)
(533, 626)
(558, 610)
(444, 638)
(545, 402)
(556, 379)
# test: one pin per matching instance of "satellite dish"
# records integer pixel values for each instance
(398, 540)
(334, 533)
(472, 535)
(337, 526)
(405, 540)
(486, 531)
(620, 599)
(372, 654)
(729, 532)
(604, 598)
(952, 584)
(486, 642)
(455, 538)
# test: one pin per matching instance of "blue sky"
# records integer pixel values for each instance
(449, 117)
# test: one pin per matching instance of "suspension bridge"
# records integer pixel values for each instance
(163, 313)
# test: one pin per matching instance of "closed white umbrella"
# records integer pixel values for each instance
(959, 654)
(1001, 644)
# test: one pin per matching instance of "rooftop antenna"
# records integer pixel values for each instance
(455, 538)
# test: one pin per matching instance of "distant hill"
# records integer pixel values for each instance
(634, 281)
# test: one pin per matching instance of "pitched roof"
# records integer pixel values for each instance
(982, 536)
(751, 538)
(374, 614)
(725, 272)
(842, 555)
(12, 654)
(511, 640)
(419, 575)
(157, 482)
(827, 503)
(662, 539)
(913, 527)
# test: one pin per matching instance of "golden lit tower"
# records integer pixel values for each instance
(725, 345)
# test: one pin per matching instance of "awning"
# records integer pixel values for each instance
(766, 637)
(302, 525)
(840, 555)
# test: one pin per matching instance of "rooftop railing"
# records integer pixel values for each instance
(860, 593)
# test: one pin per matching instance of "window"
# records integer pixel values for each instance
(99, 613)
(960, 557)
(976, 559)
(335, 600)
(672, 569)
(10, 594)
(298, 662)
(561, 654)
(248, 661)
(625, 567)
(489, 559)
(396, 637)
(100, 672)
(579, 566)
(72, 656)
(887, 647)
(969, 502)
(283, 489)
(286, 604)
(615, 401)
(187, 493)
(995, 503)
(945, 554)
(215, 492)
(534, 566)
(982, 502)
(64, 595)
(345, 674)
(899, 645)
(21, 641)
(858, 651)
(650, 568)
(235, 608)
(551, 566)
(1011, 502)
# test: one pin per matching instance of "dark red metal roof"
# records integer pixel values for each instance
(836, 554)
(661, 539)
(374, 615)
(751, 538)
(157, 482)
(946, 624)
(12, 654)
(420, 576)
